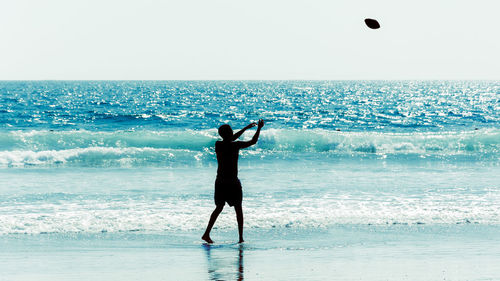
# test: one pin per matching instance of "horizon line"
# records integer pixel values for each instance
(172, 80)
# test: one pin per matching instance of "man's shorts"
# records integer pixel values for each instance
(228, 190)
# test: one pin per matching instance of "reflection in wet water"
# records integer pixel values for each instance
(225, 262)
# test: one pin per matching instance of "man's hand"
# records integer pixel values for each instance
(261, 123)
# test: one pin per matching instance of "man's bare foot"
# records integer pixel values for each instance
(207, 239)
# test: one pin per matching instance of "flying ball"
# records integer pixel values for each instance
(371, 23)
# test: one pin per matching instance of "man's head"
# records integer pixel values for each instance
(226, 132)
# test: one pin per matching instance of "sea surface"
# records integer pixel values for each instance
(339, 164)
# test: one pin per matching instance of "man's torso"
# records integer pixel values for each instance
(227, 159)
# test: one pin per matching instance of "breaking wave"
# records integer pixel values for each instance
(160, 148)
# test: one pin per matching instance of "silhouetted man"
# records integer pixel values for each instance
(227, 184)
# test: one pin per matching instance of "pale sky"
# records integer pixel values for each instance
(243, 39)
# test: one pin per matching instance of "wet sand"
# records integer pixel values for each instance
(465, 252)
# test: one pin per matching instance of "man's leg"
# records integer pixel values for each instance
(239, 218)
(211, 222)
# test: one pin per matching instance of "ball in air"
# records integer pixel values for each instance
(371, 23)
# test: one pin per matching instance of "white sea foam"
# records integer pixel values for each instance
(93, 155)
(181, 214)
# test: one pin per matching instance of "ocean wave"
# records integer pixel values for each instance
(442, 143)
(101, 156)
(143, 148)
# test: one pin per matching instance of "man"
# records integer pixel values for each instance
(227, 184)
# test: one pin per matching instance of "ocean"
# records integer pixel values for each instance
(367, 173)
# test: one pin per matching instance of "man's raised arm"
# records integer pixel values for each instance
(240, 132)
(245, 144)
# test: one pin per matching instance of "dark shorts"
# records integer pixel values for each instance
(228, 191)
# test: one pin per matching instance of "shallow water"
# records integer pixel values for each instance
(293, 195)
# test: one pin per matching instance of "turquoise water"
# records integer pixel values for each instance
(389, 106)
(357, 165)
